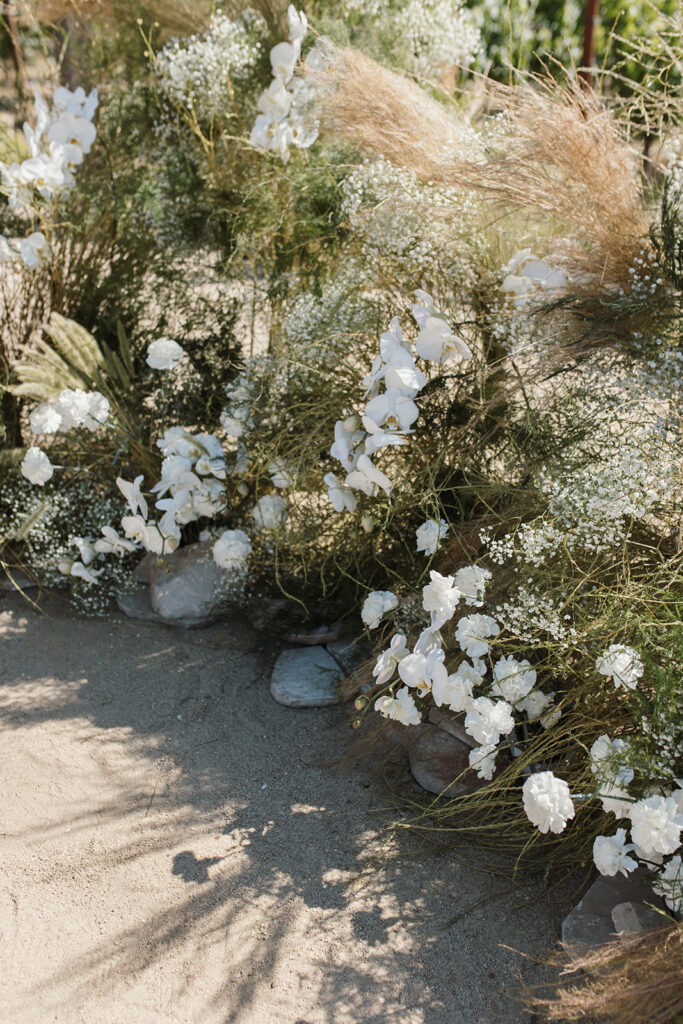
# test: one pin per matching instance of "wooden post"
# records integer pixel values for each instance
(590, 21)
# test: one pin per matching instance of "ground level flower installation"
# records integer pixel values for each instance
(378, 340)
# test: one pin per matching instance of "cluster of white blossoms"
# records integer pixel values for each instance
(73, 408)
(492, 704)
(391, 386)
(438, 33)
(655, 819)
(196, 72)
(93, 551)
(418, 227)
(281, 122)
(62, 136)
(526, 277)
(656, 822)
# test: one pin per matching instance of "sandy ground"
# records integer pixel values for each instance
(173, 850)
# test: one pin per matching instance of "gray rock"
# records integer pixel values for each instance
(314, 636)
(306, 677)
(136, 605)
(630, 918)
(592, 922)
(184, 588)
(437, 759)
(451, 723)
(348, 653)
(144, 569)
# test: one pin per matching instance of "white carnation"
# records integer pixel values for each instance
(473, 633)
(45, 419)
(610, 854)
(430, 535)
(269, 512)
(621, 664)
(36, 466)
(669, 884)
(487, 720)
(164, 354)
(547, 802)
(232, 549)
(400, 708)
(512, 679)
(483, 760)
(471, 582)
(656, 824)
(376, 605)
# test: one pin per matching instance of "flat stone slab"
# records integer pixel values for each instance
(611, 906)
(348, 653)
(306, 677)
(453, 724)
(436, 761)
(16, 580)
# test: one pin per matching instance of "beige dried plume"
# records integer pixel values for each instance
(557, 155)
(387, 114)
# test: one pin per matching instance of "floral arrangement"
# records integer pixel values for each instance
(453, 415)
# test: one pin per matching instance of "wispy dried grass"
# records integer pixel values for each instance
(560, 158)
(387, 114)
(633, 981)
(179, 17)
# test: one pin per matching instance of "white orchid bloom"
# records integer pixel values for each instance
(111, 543)
(283, 58)
(298, 23)
(422, 671)
(302, 132)
(392, 410)
(275, 101)
(437, 344)
(161, 542)
(346, 444)
(135, 528)
(76, 132)
(386, 663)
(280, 474)
(89, 575)
(379, 439)
(86, 549)
(423, 308)
(367, 478)
(341, 497)
(133, 494)
(34, 250)
(175, 510)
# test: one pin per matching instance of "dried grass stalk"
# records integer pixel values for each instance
(387, 114)
(633, 981)
(561, 159)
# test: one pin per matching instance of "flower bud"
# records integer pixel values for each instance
(368, 523)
